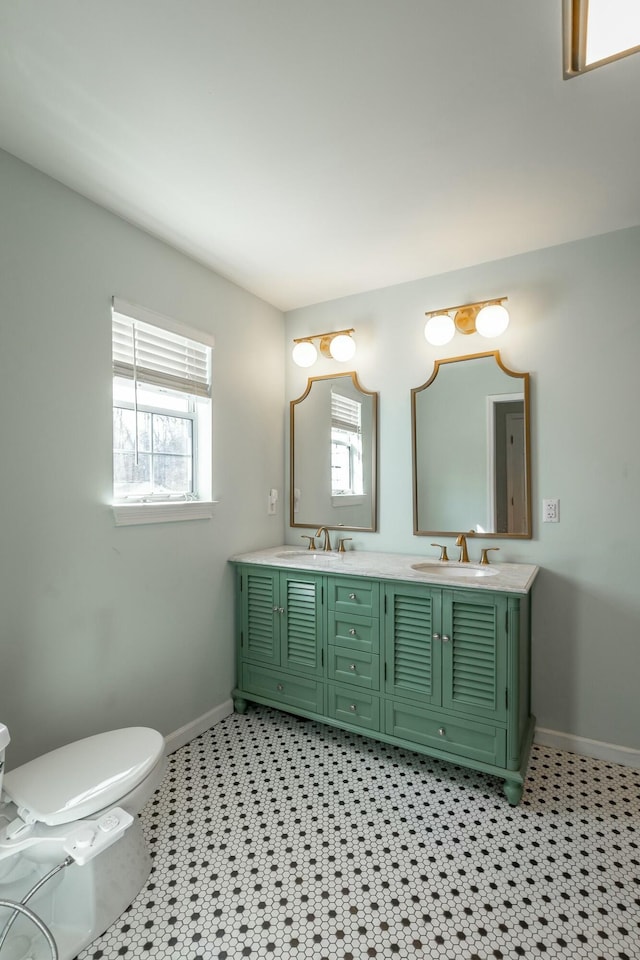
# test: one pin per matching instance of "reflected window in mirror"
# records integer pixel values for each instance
(347, 467)
(471, 449)
(333, 443)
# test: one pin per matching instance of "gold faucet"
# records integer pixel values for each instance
(327, 540)
(443, 550)
(484, 559)
(462, 543)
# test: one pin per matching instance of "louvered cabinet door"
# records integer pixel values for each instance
(260, 634)
(301, 626)
(474, 658)
(412, 615)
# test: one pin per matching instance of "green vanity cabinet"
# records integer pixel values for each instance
(353, 653)
(438, 669)
(280, 616)
(447, 648)
(413, 664)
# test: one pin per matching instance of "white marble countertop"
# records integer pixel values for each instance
(499, 577)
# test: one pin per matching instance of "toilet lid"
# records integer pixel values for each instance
(81, 778)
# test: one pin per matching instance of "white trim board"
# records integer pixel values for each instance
(193, 729)
(584, 747)
(126, 514)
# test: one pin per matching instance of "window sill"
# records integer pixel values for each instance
(127, 514)
(348, 500)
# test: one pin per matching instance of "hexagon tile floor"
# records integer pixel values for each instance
(274, 836)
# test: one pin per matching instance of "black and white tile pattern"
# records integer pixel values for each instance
(274, 836)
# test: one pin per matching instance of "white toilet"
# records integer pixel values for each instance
(80, 804)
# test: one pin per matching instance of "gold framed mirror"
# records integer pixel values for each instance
(471, 449)
(333, 455)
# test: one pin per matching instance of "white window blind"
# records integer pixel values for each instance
(345, 413)
(159, 353)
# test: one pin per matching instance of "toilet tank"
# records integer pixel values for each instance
(4, 740)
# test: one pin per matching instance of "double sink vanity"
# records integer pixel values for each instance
(429, 655)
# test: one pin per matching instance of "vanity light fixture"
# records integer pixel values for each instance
(488, 318)
(338, 345)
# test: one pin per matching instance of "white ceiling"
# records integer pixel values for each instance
(310, 149)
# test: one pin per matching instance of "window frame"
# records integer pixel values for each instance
(344, 428)
(198, 503)
(153, 410)
(575, 19)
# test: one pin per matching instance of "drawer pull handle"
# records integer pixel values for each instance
(352, 632)
(352, 666)
(436, 636)
(445, 638)
(280, 687)
(352, 596)
(442, 731)
(352, 708)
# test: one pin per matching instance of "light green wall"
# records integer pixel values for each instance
(575, 327)
(102, 626)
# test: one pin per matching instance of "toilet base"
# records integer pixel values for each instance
(79, 903)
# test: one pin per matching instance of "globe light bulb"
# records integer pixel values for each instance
(492, 320)
(304, 353)
(439, 330)
(342, 347)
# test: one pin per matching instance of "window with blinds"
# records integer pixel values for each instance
(161, 408)
(152, 355)
(347, 468)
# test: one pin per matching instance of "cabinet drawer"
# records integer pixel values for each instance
(352, 666)
(354, 707)
(355, 596)
(299, 692)
(479, 741)
(357, 633)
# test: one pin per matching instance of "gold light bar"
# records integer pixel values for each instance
(341, 340)
(466, 313)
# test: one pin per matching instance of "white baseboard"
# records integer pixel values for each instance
(584, 747)
(193, 729)
(611, 752)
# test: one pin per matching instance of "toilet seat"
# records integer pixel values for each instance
(82, 778)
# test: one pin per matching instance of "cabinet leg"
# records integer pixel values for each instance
(239, 705)
(512, 791)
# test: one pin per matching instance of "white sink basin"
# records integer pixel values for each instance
(313, 556)
(464, 571)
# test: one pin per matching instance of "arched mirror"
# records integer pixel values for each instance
(471, 449)
(333, 454)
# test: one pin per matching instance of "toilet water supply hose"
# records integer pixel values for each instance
(21, 908)
(46, 933)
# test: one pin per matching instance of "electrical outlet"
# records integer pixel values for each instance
(272, 502)
(551, 511)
